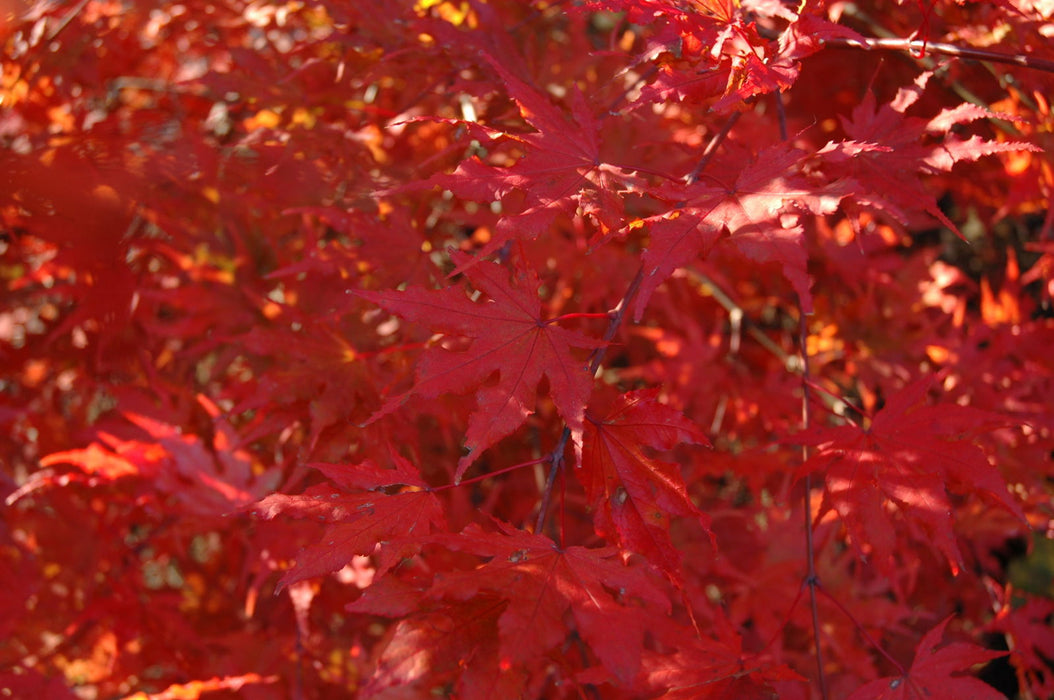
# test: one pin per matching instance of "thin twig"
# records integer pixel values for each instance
(863, 632)
(920, 48)
(711, 148)
(888, 41)
(74, 11)
(792, 363)
(556, 461)
(735, 310)
(616, 314)
(811, 578)
(489, 475)
(556, 457)
(782, 114)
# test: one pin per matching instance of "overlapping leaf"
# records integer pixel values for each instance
(543, 584)
(758, 212)
(206, 479)
(936, 674)
(509, 338)
(562, 170)
(707, 669)
(633, 495)
(906, 462)
(889, 152)
(364, 514)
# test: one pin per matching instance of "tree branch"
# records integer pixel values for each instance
(920, 48)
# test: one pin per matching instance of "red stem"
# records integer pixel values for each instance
(786, 619)
(488, 475)
(568, 317)
(863, 632)
(556, 457)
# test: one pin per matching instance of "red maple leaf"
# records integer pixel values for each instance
(889, 173)
(206, 479)
(544, 583)
(1030, 635)
(930, 676)
(709, 671)
(364, 515)
(758, 211)
(633, 494)
(509, 338)
(561, 170)
(906, 461)
(435, 645)
(757, 66)
(715, 669)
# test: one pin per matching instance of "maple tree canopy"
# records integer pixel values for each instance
(622, 349)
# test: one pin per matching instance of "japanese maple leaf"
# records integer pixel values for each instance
(758, 212)
(509, 338)
(633, 494)
(906, 461)
(930, 676)
(360, 516)
(707, 669)
(561, 171)
(910, 147)
(1031, 636)
(714, 53)
(438, 645)
(755, 67)
(206, 479)
(543, 584)
(758, 66)
(438, 642)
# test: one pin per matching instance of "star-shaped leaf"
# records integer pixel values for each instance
(758, 212)
(561, 169)
(543, 584)
(907, 461)
(509, 338)
(633, 494)
(890, 173)
(930, 676)
(360, 516)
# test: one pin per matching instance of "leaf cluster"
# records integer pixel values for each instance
(614, 349)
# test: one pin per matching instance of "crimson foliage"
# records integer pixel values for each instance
(608, 349)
